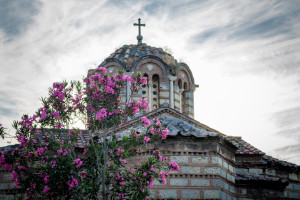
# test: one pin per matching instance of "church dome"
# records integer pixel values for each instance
(129, 55)
(170, 83)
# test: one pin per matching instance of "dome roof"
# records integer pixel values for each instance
(128, 55)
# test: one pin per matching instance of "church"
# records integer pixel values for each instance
(213, 165)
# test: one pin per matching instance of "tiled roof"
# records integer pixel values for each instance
(243, 146)
(242, 176)
(274, 161)
(136, 52)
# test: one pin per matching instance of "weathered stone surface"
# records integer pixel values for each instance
(4, 186)
(200, 182)
(216, 160)
(212, 170)
(168, 193)
(256, 170)
(199, 159)
(293, 176)
(190, 170)
(190, 194)
(179, 159)
(179, 182)
(271, 172)
(211, 194)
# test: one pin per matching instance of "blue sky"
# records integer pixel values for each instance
(244, 56)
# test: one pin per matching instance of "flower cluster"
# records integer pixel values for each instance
(47, 166)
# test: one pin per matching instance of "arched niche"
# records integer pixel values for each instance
(113, 66)
(187, 77)
(152, 66)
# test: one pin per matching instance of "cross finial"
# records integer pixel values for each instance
(139, 37)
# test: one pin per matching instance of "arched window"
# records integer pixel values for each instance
(180, 84)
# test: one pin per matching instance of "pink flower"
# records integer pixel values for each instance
(85, 150)
(145, 173)
(146, 139)
(101, 114)
(122, 183)
(46, 179)
(162, 176)
(40, 150)
(17, 184)
(82, 174)
(77, 162)
(132, 170)
(102, 70)
(43, 114)
(174, 166)
(59, 151)
(146, 121)
(56, 115)
(14, 175)
(46, 189)
(72, 183)
(164, 134)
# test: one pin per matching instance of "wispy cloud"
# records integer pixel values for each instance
(245, 55)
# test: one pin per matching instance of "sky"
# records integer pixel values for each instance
(244, 55)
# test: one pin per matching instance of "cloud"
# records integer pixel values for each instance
(244, 52)
(16, 16)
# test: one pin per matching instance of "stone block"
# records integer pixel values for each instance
(4, 186)
(293, 176)
(217, 183)
(223, 173)
(190, 194)
(152, 194)
(225, 164)
(226, 186)
(156, 182)
(200, 160)
(216, 160)
(230, 178)
(168, 194)
(271, 172)
(164, 94)
(293, 195)
(212, 170)
(176, 104)
(290, 187)
(223, 196)
(200, 182)
(7, 197)
(179, 159)
(6, 177)
(231, 168)
(242, 170)
(190, 109)
(256, 170)
(179, 182)
(164, 86)
(232, 189)
(211, 194)
(190, 170)
(297, 187)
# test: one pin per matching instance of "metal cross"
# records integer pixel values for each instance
(139, 37)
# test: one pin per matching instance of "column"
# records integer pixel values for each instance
(172, 79)
(128, 91)
(181, 99)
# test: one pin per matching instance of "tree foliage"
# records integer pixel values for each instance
(49, 164)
